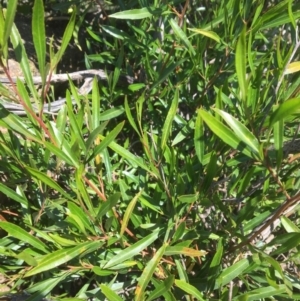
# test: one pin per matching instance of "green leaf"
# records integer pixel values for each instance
(129, 116)
(224, 133)
(62, 241)
(62, 142)
(180, 250)
(59, 153)
(189, 289)
(166, 72)
(261, 293)
(48, 181)
(232, 272)
(188, 198)
(133, 159)
(82, 216)
(208, 33)
(43, 288)
(108, 205)
(278, 129)
(13, 195)
(199, 137)
(240, 130)
(288, 241)
(288, 225)
(22, 58)
(9, 20)
(65, 39)
(39, 37)
(95, 105)
(76, 128)
(132, 251)
(161, 288)
(128, 212)
(116, 33)
(166, 131)
(62, 256)
(291, 15)
(182, 36)
(215, 264)
(148, 272)
(111, 113)
(3, 44)
(19, 233)
(240, 64)
(109, 293)
(94, 134)
(106, 141)
(133, 14)
(285, 110)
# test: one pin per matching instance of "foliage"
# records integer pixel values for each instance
(148, 192)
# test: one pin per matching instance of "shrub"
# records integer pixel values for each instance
(182, 184)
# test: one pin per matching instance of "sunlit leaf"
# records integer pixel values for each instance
(132, 14)
(208, 33)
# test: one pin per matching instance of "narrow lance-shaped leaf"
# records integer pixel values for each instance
(47, 180)
(128, 212)
(147, 273)
(109, 293)
(13, 195)
(129, 116)
(55, 259)
(240, 63)
(182, 36)
(133, 14)
(189, 289)
(240, 130)
(199, 137)
(43, 288)
(133, 159)
(166, 131)
(3, 46)
(162, 288)
(208, 33)
(22, 57)
(39, 37)
(16, 123)
(224, 132)
(19, 233)
(180, 250)
(9, 20)
(292, 67)
(76, 128)
(65, 39)
(232, 272)
(263, 293)
(285, 110)
(166, 72)
(278, 129)
(132, 251)
(95, 104)
(106, 141)
(291, 15)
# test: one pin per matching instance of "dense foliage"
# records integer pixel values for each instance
(183, 185)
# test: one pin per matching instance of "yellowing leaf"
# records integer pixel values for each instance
(180, 250)
(208, 33)
(292, 68)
